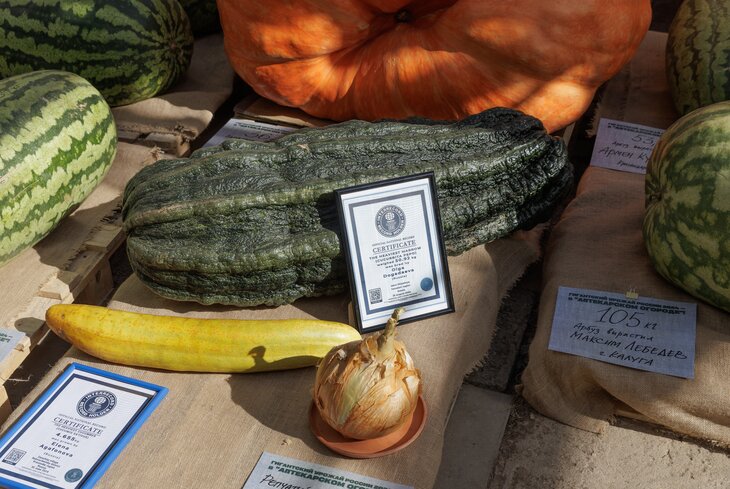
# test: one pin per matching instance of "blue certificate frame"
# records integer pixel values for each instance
(77, 370)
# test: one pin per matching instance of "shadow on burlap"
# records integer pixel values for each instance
(188, 107)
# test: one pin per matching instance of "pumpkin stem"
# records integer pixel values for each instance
(403, 16)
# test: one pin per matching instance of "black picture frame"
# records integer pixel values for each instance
(350, 254)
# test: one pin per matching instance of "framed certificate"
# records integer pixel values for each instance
(75, 429)
(391, 232)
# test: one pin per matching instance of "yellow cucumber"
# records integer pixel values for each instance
(196, 345)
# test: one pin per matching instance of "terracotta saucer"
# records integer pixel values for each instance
(376, 447)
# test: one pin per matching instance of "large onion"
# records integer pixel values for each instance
(368, 388)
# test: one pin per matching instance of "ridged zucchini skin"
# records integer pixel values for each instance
(57, 141)
(251, 223)
(129, 50)
(698, 54)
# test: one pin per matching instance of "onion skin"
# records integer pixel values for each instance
(368, 388)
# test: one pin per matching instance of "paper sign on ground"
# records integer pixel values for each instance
(624, 146)
(643, 333)
(277, 471)
(9, 339)
(249, 130)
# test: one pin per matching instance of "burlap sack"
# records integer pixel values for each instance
(598, 244)
(188, 107)
(211, 429)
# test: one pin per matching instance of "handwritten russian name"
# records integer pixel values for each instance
(644, 333)
(624, 146)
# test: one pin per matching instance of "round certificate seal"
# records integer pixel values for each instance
(96, 404)
(390, 221)
(73, 475)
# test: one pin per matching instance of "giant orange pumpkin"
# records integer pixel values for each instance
(442, 59)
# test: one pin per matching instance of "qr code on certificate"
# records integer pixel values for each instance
(13, 456)
(375, 295)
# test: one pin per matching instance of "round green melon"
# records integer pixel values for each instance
(129, 50)
(57, 141)
(698, 54)
(687, 220)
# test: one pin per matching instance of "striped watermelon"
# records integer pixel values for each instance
(129, 50)
(687, 220)
(57, 141)
(203, 16)
(698, 54)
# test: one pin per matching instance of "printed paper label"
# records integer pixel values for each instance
(284, 472)
(624, 146)
(249, 130)
(643, 333)
(9, 339)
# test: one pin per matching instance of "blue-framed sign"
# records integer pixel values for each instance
(394, 248)
(75, 429)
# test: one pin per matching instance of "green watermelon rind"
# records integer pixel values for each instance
(57, 142)
(698, 54)
(130, 51)
(686, 225)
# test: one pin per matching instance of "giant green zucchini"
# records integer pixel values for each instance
(57, 141)
(252, 223)
(129, 51)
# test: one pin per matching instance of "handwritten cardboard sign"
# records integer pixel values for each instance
(624, 146)
(283, 472)
(642, 333)
(247, 129)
